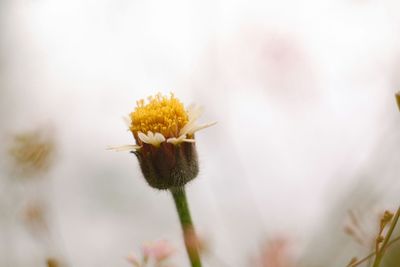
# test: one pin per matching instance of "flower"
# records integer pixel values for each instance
(51, 262)
(32, 152)
(397, 95)
(133, 259)
(159, 250)
(34, 216)
(276, 253)
(154, 253)
(161, 120)
(164, 133)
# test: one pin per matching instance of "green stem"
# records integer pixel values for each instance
(381, 252)
(189, 234)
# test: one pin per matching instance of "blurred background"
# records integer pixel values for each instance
(308, 128)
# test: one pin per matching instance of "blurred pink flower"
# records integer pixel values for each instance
(158, 250)
(276, 253)
(133, 259)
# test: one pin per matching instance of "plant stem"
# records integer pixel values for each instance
(373, 253)
(381, 252)
(189, 234)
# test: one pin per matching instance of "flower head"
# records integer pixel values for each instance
(397, 95)
(32, 152)
(164, 119)
(277, 253)
(159, 250)
(154, 253)
(164, 133)
(161, 115)
(133, 259)
(34, 216)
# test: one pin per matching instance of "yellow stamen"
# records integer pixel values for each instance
(162, 114)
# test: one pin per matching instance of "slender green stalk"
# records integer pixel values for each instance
(189, 234)
(381, 252)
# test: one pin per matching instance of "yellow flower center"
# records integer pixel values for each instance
(162, 114)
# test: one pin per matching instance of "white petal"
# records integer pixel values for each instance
(124, 148)
(194, 112)
(196, 128)
(151, 138)
(143, 137)
(187, 128)
(191, 108)
(150, 134)
(189, 140)
(127, 121)
(175, 141)
(159, 137)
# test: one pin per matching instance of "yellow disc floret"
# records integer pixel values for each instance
(162, 114)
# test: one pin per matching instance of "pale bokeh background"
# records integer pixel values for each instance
(302, 92)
